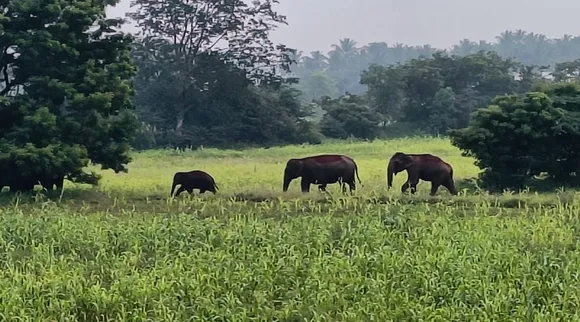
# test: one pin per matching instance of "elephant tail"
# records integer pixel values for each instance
(356, 172)
(173, 187)
(216, 186)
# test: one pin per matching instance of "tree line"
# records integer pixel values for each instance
(338, 71)
(76, 91)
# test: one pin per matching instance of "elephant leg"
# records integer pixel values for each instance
(322, 187)
(405, 186)
(413, 181)
(180, 190)
(414, 187)
(305, 185)
(202, 191)
(352, 186)
(434, 186)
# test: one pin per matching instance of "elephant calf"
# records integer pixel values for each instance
(421, 166)
(195, 179)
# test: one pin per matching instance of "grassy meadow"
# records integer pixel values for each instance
(124, 251)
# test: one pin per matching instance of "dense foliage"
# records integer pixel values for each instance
(439, 92)
(349, 116)
(192, 92)
(519, 137)
(209, 75)
(65, 91)
(338, 71)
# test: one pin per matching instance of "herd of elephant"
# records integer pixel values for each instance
(326, 169)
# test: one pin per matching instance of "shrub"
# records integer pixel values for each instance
(519, 137)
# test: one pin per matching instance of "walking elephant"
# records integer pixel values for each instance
(426, 167)
(195, 179)
(321, 170)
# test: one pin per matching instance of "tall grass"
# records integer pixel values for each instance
(124, 251)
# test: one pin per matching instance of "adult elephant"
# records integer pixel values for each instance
(426, 167)
(322, 170)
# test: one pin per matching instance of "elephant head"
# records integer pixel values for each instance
(293, 170)
(399, 162)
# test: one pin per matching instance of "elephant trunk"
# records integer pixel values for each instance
(390, 172)
(287, 180)
(173, 188)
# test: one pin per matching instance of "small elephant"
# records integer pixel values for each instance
(322, 186)
(321, 170)
(195, 179)
(421, 166)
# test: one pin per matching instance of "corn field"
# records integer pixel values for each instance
(125, 251)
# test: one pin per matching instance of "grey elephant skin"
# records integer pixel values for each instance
(425, 167)
(195, 179)
(322, 170)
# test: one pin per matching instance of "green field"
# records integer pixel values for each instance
(124, 251)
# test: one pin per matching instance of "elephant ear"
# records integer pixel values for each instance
(402, 160)
(295, 165)
(407, 161)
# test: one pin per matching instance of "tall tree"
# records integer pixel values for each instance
(440, 91)
(65, 96)
(178, 33)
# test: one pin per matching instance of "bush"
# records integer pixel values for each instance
(349, 116)
(519, 137)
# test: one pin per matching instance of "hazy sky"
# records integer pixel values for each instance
(316, 24)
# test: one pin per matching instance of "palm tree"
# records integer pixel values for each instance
(347, 47)
(399, 53)
(296, 68)
(465, 47)
(338, 56)
(510, 44)
(536, 49)
(377, 53)
(317, 61)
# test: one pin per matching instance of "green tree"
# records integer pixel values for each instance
(567, 71)
(386, 90)
(317, 85)
(346, 61)
(519, 137)
(443, 115)
(349, 115)
(178, 34)
(209, 72)
(409, 92)
(65, 93)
